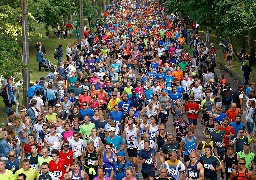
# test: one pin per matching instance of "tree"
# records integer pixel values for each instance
(50, 12)
(10, 32)
(233, 18)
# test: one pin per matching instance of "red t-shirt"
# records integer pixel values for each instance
(192, 107)
(27, 148)
(67, 156)
(59, 168)
(227, 130)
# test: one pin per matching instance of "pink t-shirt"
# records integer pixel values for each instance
(66, 135)
(132, 178)
(105, 178)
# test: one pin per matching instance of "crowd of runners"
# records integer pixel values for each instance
(128, 102)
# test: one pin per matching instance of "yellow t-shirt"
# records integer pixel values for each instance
(51, 117)
(7, 175)
(41, 160)
(31, 173)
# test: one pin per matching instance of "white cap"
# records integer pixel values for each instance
(112, 129)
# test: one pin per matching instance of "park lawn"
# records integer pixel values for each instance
(50, 44)
(220, 58)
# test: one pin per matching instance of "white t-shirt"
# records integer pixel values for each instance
(53, 141)
(198, 92)
(77, 146)
(39, 103)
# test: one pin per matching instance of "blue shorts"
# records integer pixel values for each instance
(250, 126)
(192, 121)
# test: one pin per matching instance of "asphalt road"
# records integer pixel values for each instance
(199, 128)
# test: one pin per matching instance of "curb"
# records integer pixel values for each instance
(233, 75)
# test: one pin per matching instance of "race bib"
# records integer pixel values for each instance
(57, 173)
(230, 170)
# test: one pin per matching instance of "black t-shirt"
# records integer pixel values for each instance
(167, 146)
(71, 117)
(207, 163)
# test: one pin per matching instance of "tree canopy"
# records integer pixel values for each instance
(232, 18)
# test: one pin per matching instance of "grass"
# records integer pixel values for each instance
(220, 59)
(50, 44)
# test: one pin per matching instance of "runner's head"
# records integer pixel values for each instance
(33, 149)
(45, 167)
(55, 155)
(241, 163)
(173, 155)
(193, 157)
(2, 165)
(208, 150)
(216, 125)
(230, 149)
(26, 164)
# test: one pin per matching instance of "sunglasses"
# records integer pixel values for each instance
(192, 157)
(241, 163)
(11, 155)
(108, 148)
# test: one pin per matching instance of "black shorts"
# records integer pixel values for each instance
(149, 174)
(186, 158)
(132, 152)
(103, 107)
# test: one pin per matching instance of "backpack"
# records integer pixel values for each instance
(3, 93)
(56, 53)
(31, 90)
(244, 177)
(227, 94)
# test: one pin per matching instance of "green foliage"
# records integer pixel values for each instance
(10, 31)
(10, 59)
(50, 12)
(233, 17)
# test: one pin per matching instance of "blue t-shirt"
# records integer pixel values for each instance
(125, 105)
(13, 166)
(117, 142)
(221, 117)
(237, 127)
(88, 112)
(117, 116)
(120, 169)
(148, 166)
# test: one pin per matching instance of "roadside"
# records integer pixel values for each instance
(235, 71)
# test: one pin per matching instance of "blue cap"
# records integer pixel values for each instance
(120, 153)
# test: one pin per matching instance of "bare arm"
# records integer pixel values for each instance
(201, 169)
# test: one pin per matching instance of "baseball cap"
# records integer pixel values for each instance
(120, 153)
(112, 129)
(57, 105)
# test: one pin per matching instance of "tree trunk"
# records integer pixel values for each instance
(251, 36)
(47, 32)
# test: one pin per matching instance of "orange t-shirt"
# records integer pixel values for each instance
(227, 130)
(177, 75)
(231, 114)
(181, 40)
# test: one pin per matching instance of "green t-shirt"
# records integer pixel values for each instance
(7, 175)
(128, 90)
(86, 130)
(162, 32)
(248, 157)
(41, 160)
(183, 65)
